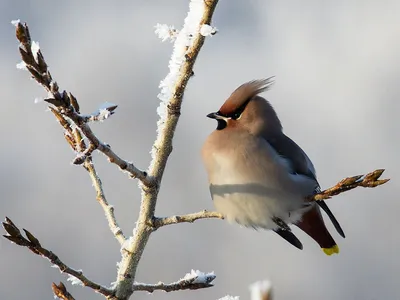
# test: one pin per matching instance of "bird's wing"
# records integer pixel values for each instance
(301, 164)
(298, 159)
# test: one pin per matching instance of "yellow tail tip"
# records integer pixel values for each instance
(332, 250)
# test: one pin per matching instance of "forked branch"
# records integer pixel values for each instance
(74, 138)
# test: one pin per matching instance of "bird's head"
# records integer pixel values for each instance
(244, 109)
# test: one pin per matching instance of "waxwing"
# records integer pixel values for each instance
(258, 176)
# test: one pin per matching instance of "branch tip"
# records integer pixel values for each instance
(61, 292)
(191, 281)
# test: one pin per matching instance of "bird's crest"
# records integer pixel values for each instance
(244, 93)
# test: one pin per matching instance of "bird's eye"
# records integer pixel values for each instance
(236, 116)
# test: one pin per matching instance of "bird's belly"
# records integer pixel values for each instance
(258, 208)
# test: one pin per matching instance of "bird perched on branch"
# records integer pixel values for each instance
(258, 176)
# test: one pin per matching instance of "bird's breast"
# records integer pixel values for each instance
(251, 184)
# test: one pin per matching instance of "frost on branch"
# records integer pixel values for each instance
(191, 281)
(15, 22)
(207, 30)
(74, 280)
(104, 112)
(35, 50)
(184, 40)
(200, 277)
(165, 32)
(21, 66)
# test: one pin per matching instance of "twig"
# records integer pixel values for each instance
(104, 112)
(369, 180)
(61, 292)
(192, 281)
(134, 249)
(189, 218)
(75, 140)
(101, 198)
(32, 243)
(67, 105)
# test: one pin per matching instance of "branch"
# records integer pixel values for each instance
(60, 291)
(186, 48)
(32, 243)
(189, 218)
(75, 140)
(192, 281)
(101, 198)
(67, 105)
(369, 180)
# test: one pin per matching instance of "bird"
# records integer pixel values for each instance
(258, 176)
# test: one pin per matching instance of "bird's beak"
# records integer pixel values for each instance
(214, 115)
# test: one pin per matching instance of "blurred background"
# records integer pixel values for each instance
(337, 68)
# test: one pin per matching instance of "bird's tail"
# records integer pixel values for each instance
(313, 224)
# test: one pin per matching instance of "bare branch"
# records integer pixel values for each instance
(189, 218)
(74, 138)
(61, 292)
(101, 198)
(369, 180)
(32, 243)
(67, 105)
(189, 41)
(192, 281)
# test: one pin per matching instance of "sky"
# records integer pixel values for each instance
(336, 66)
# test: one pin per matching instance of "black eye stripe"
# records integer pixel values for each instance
(238, 112)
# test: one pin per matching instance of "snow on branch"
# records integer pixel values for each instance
(165, 32)
(105, 111)
(187, 45)
(207, 30)
(32, 243)
(192, 281)
(186, 49)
